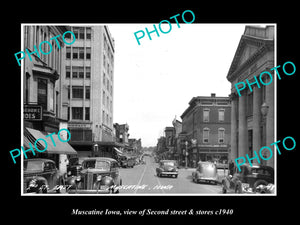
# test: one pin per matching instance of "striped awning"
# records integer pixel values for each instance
(58, 147)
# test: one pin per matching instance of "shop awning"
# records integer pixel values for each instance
(119, 152)
(31, 135)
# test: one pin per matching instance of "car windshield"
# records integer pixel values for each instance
(33, 166)
(94, 164)
(168, 163)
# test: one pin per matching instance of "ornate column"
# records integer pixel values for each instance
(233, 141)
(257, 102)
(243, 131)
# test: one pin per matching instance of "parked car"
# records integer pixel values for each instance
(74, 167)
(41, 176)
(206, 172)
(249, 178)
(126, 161)
(98, 175)
(167, 168)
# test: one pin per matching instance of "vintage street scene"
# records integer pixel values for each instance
(191, 112)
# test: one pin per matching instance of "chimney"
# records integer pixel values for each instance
(213, 95)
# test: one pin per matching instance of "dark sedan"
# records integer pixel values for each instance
(98, 175)
(40, 176)
(167, 168)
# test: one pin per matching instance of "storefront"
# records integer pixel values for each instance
(56, 150)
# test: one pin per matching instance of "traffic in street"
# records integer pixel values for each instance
(142, 179)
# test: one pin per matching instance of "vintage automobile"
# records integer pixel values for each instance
(167, 168)
(206, 172)
(41, 176)
(98, 175)
(74, 167)
(126, 161)
(248, 179)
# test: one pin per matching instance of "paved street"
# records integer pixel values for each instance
(143, 180)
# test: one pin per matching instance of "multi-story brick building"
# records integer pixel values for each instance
(206, 129)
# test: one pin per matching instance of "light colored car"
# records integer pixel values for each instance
(205, 172)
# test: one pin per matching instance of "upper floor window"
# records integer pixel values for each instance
(221, 114)
(205, 115)
(206, 135)
(221, 135)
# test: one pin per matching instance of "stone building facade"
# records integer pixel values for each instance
(252, 113)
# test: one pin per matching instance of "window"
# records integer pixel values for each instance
(68, 71)
(205, 115)
(87, 113)
(75, 70)
(75, 52)
(77, 92)
(68, 36)
(88, 53)
(27, 88)
(221, 135)
(221, 114)
(68, 113)
(69, 92)
(81, 33)
(68, 51)
(81, 53)
(87, 72)
(88, 33)
(87, 92)
(76, 31)
(42, 92)
(77, 113)
(205, 135)
(80, 72)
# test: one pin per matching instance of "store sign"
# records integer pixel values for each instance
(32, 112)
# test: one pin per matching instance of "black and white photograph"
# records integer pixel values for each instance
(104, 114)
(174, 116)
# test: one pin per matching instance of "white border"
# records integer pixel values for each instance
(136, 194)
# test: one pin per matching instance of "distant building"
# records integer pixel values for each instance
(252, 118)
(135, 145)
(206, 129)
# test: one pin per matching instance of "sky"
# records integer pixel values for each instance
(154, 81)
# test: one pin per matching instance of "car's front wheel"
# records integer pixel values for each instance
(259, 182)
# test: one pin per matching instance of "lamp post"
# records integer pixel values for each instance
(96, 149)
(186, 153)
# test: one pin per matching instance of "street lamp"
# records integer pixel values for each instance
(186, 153)
(96, 149)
